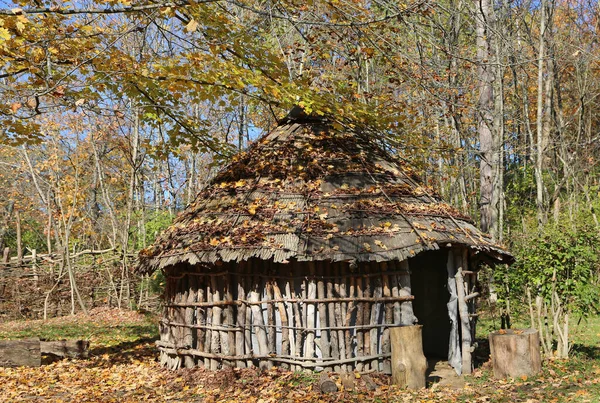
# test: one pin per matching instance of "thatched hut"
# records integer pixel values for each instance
(306, 249)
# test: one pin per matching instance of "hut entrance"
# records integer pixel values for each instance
(429, 287)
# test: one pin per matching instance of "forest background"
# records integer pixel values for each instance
(113, 114)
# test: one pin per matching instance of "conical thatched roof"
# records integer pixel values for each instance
(310, 191)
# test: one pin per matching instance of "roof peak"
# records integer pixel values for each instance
(299, 115)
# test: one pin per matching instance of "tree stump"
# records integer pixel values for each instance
(18, 353)
(515, 353)
(326, 385)
(408, 361)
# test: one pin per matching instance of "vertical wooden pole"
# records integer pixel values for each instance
(310, 312)
(258, 321)
(333, 320)
(283, 315)
(34, 268)
(229, 341)
(367, 315)
(395, 267)
(389, 320)
(271, 330)
(325, 344)
(240, 348)
(464, 314)
(299, 317)
(407, 316)
(189, 319)
(360, 339)
(209, 322)
(249, 329)
(201, 316)
(339, 313)
(217, 311)
(375, 312)
(347, 346)
(19, 239)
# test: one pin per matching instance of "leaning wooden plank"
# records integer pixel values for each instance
(20, 353)
(66, 348)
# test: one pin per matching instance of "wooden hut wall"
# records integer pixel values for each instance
(296, 315)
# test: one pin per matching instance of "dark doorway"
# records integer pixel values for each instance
(429, 286)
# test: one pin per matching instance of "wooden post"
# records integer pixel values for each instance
(464, 315)
(408, 361)
(36, 278)
(515, 353)
(6, 255)
(19, 239)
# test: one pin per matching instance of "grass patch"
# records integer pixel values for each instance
(103, 328)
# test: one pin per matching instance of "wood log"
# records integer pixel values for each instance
(408, 361)
(515, 353)
(66, 348)
(326, 385)
(20, 353)
(369, 382)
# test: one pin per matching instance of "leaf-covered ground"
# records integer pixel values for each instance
(123, 368)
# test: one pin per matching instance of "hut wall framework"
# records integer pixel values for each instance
(301, 315)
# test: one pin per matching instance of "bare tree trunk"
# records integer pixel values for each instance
(539, 154)
(485, 118)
